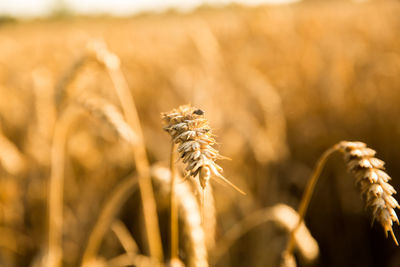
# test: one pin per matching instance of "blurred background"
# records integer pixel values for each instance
(279, 82)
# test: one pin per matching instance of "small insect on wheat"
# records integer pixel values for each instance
(191, 131)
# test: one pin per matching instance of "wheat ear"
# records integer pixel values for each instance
(191, 131)
(103, 109)
(371, 179)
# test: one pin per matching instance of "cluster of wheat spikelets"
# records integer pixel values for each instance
(192, 132)
(373, 183)
(190, 129)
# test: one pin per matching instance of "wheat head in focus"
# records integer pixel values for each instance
(191, 131)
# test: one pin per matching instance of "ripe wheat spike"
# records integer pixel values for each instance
(191, 130)
(372, 181)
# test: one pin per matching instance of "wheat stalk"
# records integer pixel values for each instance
(56, 186)
(111, 62)
(371, 179)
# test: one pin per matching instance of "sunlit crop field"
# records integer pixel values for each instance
(278, 85)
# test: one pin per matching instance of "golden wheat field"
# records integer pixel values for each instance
(94, 127)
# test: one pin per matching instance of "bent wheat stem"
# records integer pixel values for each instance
(305, 200)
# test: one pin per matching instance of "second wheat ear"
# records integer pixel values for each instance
(373, 183)
(191, 131)
(371, 179)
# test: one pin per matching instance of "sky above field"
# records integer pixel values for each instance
(114, 7)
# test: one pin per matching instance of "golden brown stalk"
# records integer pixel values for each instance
(56, 187)
(371, 179)
(191, 130)
(189, 215)
(45, 115)
(112, 65)
(305, 200)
